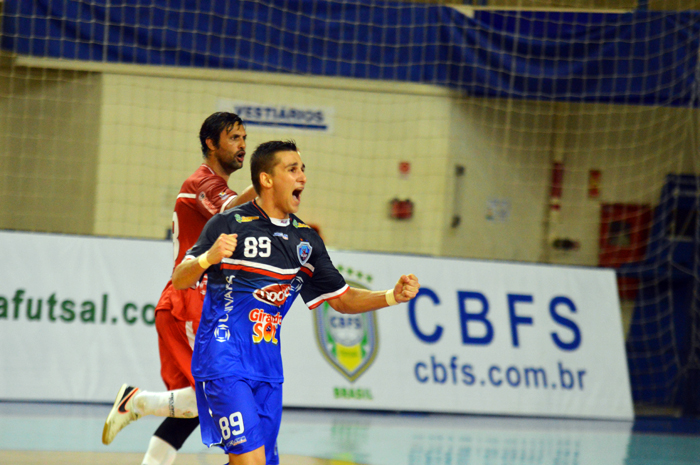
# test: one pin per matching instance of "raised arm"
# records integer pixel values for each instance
(361, 300)
(187, 273)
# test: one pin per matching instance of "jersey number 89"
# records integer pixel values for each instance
(232, 424)
(252, 244)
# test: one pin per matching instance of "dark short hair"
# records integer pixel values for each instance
(263, 159)
(213, 125)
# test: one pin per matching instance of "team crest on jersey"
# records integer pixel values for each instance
(303, 252)
(348, 342)
(245, 219)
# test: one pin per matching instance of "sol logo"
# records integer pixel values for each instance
(265, 327)
(274, 294)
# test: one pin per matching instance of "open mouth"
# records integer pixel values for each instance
(240, 156)
(297, 194)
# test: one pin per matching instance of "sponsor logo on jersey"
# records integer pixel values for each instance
(207, 203)
(265, 325)
(303, 252)
(297, 283)
(201, 286)
(236, 441)
(245, 219)
(282, 235)
(222, 333)
(296, 224)
(274, 294)
(223, 195)
(348, 342)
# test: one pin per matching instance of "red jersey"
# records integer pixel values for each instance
(201, 196)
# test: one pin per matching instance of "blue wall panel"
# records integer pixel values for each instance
(635, 58)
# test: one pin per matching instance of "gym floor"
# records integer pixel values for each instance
(50, 433)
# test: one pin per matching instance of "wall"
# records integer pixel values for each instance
(635, 147)
(504, 147)
(5, 173)
(90, 153)
(507, 149)
(149, 145)
(48, 150)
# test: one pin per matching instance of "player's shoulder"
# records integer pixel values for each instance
(202, 172)
(201, 175)
(304, 228)
(205, 174)
(246, 213)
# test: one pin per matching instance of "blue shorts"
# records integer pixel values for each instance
(240, 415)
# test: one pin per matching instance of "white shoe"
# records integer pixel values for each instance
(122, 413)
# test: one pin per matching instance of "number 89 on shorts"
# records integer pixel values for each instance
(232, 424)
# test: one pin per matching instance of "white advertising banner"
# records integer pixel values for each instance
(76, 321)
(481, 337)
(77, 315)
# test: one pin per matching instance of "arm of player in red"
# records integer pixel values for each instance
(362, 300)
(247, 195)
(188, 272)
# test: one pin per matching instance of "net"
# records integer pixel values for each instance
(566, 134)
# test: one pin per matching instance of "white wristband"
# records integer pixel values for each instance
(203, 262)
(390, 299)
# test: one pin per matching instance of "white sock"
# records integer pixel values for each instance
(159, 453)
(181, 403)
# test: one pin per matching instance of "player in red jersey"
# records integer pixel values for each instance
(202, 195)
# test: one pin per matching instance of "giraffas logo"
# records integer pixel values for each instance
(348, 342)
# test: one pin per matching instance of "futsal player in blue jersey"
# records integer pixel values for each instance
(258, 258)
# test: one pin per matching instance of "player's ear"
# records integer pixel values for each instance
(211, 145)
(265, 180)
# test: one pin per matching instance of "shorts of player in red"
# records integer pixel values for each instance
(240, 415)
(176, 337)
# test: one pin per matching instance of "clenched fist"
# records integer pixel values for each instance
(223, 248)
(406, 288)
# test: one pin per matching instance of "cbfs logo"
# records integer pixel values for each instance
(348, 342)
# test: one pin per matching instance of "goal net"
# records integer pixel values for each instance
(552, 132)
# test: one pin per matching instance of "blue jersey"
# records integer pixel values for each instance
(249, 293)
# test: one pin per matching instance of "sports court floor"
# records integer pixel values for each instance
(47, 433)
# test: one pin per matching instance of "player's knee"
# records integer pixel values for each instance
(254, 457)
(175, 431)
